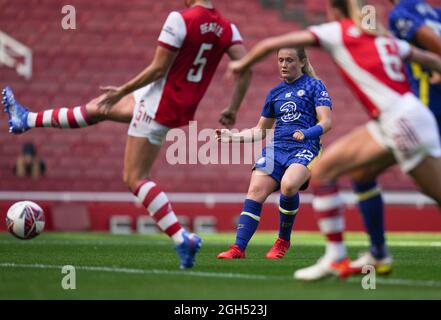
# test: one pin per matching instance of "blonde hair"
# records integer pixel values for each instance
(307, 68)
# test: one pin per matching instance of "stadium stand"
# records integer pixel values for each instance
(70, 65)
(112, 42)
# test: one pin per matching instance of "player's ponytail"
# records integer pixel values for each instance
(307, 69)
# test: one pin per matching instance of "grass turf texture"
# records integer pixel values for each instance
(146, 267)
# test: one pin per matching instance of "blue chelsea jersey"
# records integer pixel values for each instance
(407, 17)
(293, 106)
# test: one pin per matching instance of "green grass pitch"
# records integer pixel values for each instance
(146, 267)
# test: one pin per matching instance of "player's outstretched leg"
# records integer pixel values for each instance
(21, 119)
(17, 114)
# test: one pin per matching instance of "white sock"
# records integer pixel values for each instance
(178, 237)
(335, 251)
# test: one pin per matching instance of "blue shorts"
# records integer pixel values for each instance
(275, 160)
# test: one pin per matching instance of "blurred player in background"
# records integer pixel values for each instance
(420, 24)
(163, 96)
(300, 107)
(372, 63)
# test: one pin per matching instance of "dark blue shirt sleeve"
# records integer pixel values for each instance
(268, 108)
(321, 96)
(404, 23)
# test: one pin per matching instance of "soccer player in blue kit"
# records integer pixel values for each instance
(300, 107)
(420, 24)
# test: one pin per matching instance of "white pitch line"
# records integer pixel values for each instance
(138, 242)
(395, 282)
(87, 242)
(403, 282)
(151, 271)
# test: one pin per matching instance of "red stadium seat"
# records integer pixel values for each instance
(114, 41)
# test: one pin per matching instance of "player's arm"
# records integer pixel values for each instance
(428, 39)
(265, 47)
(324, 115)
(228, 116)
(431, 41)
(425, 58)
(157, 69)
(248, 135)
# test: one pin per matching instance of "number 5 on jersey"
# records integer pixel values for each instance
(195, 73)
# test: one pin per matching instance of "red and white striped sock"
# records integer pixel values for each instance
(157, 204)
(63, 118)
(328, 206)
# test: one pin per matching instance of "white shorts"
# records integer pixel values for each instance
(143, 125)
(409, 130)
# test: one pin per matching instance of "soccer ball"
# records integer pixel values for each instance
(25, 220)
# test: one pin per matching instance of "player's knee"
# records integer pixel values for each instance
(132, 179)
(289, 188)
(256, 193)
(126, 179)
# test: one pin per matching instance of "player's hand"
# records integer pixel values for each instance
(111, 96)
(228, 117)
(224, 135)
(298, 135)
(435, 78)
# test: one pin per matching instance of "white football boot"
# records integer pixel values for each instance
(323, 268)
(382, 266)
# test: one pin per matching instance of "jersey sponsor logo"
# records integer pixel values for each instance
(300, 93)
(290, 110)
(404, 26)
(324, 94)
(170, 31)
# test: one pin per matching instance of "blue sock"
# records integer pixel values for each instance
(370, 203)
(248, 222)
(288, 207)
